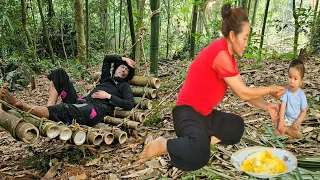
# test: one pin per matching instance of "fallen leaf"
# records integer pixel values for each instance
(308, 129)
(138, 173)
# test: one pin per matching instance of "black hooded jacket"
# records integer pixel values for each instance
(121, 93)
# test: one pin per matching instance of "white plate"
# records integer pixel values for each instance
(287, 157)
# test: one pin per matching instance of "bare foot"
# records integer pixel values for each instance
(9, 98)
(276, 132)
(154, 148)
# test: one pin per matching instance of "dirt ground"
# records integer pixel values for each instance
(55, 159)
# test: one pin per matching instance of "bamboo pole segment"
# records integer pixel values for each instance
(134, 115)
(139, 91)
(144, 103)
(18, 128)
(108, 136)
(78, 137)
(27, 132)
(65, 133)
(126, 123)
(94, 136)
(47, 128)
(143, 81)
(119, 136)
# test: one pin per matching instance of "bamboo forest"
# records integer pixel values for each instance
(160, 89)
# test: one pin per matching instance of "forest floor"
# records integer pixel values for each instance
(55, 159)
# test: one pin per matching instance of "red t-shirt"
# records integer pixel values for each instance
(204, 86)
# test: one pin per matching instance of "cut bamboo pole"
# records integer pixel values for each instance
(78, 137)
(134, 115)
(144, 103)
(140, 91)
(126, 123)
(94, 136)
(65, 133)
(143, 81)
(108, 136)
(47, 128)
(18, 128)
(119, 136)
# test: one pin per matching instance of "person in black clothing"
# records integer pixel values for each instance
(113, 90)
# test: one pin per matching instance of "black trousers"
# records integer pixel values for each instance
(72, 107)
(191, 150)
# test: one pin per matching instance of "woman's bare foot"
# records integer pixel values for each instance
(154, 148)
(9, 98)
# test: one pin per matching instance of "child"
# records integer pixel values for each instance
(293, 108)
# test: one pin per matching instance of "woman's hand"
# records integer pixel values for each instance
(101, 95)
(277, 91)
(273, 110)
(129, 61)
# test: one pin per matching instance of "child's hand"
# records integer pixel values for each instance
(296, 126)
(281, 127)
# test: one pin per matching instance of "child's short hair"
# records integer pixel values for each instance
(296, 63)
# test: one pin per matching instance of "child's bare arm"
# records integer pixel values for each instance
(281, 116)
(300, 119)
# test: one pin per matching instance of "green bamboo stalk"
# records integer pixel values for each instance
(154, 44)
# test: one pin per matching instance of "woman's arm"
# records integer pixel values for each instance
(273, 109)
(246, 93)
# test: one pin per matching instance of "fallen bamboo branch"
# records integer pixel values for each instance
(143, 81)
(18, 128)
(108, 136)
(125, 122)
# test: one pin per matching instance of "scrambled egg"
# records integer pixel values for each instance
(263, 163)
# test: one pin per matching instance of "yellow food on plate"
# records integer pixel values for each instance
(263, 163)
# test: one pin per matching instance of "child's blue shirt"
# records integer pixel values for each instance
(295, 103)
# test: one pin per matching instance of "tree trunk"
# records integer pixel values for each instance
(154, 44)
(87, 29)
(120, 24)
(104, 22)
(26, 30)
(81, 45)
(313, 32)
(245, 5)
(263, 29)
(2, 32)
(114, 27)
(139, 33)
(133, 38)
(249, 6)
(168, 27)
(253, 16)
(193, 28)
(45, 31)
(296, 28)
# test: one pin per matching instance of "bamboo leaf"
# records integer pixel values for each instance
(273, 136)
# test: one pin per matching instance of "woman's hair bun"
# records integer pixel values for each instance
(226, 10)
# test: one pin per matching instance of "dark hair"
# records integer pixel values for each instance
(296, 63)
(233, 19)
(131, 70)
